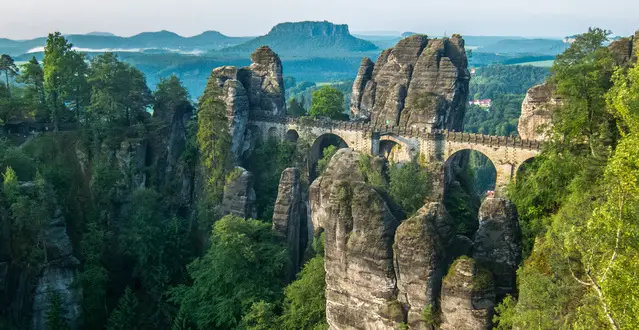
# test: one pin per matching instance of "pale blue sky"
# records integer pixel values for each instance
(31, 18)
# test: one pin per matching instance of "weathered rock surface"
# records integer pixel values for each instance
(497, 244)
(289, 215)
(419, 83)
(57, 276)
(358, 237)
(625, 50)
(239, 195)
(420, 254)
(364, 75)
(235, 97)
(467, 298)
(536, 113)
(254, 90)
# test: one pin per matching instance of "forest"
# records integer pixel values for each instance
(138, 176)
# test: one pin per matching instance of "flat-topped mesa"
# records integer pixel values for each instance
(419, 83)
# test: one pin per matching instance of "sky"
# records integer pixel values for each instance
(538, 18)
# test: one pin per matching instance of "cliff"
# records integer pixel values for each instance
(421, 83)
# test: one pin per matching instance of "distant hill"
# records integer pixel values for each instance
(525, 46)
(307, 39)
(101, 34)
(210, 40)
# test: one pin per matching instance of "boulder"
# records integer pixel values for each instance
(358, 236)
(289, 216)
(536, 113)
(419, 83)
(239, 195)
(497, 245)
(420, 254)
(468, 297)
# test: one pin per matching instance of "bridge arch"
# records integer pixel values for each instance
(520, 168)
(292, 135)
(486, 173)
(322, 142)
(396, 149)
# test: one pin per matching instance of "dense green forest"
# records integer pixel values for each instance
(578, 201)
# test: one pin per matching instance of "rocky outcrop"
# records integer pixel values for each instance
(264, 82)
(235, 97)
(419, 83)
(289, 216)
(254, 90)
(130, 159)
(358, 238)
(239, 195)
(468, 297)
(536, 113)
(497, 244)
(364, 75)
(420, 251)
(625, 50)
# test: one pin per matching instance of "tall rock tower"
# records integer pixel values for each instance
(419, 83)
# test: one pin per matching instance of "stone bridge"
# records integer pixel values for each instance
(399, 144)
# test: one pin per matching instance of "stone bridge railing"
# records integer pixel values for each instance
(417, 133)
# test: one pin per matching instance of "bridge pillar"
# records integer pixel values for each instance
(504, 175)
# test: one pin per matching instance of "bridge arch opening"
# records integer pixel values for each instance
(292, 135)
(320, 144)
(523, 167)
(272, 133)
(469, 176)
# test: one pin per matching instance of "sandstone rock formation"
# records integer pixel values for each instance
(419, 83)
(57, 277)
(254, 90)
(289, 215)
(468, 297)
(625, 50)
(420, 252)
(364, 74)
(239, 195)
(536, 112)
(358, 238)
(497, 244)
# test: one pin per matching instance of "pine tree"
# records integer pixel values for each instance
(124, 317)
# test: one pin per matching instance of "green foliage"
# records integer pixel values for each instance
(296, 108)
(328, 101)
(304, 302)
(168, 96)
(124, 317)
(461, 200)
(490, 82)
(409, 185)
(213, 140)
(261, 316)
(327, 155)
(431, 316)
(578, 202)
(267, 163)
(54, 320)
(244, 265)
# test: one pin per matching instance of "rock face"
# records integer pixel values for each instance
(358, 238)
(254, 90)
(420, 252)
(536, 113)
(497, 244)
(289, 216)
(468, 297)
(625, 50)
(364, 75)
(239, 195)
(419, 83)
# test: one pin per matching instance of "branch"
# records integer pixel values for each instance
(614, 253)
(613, 324)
